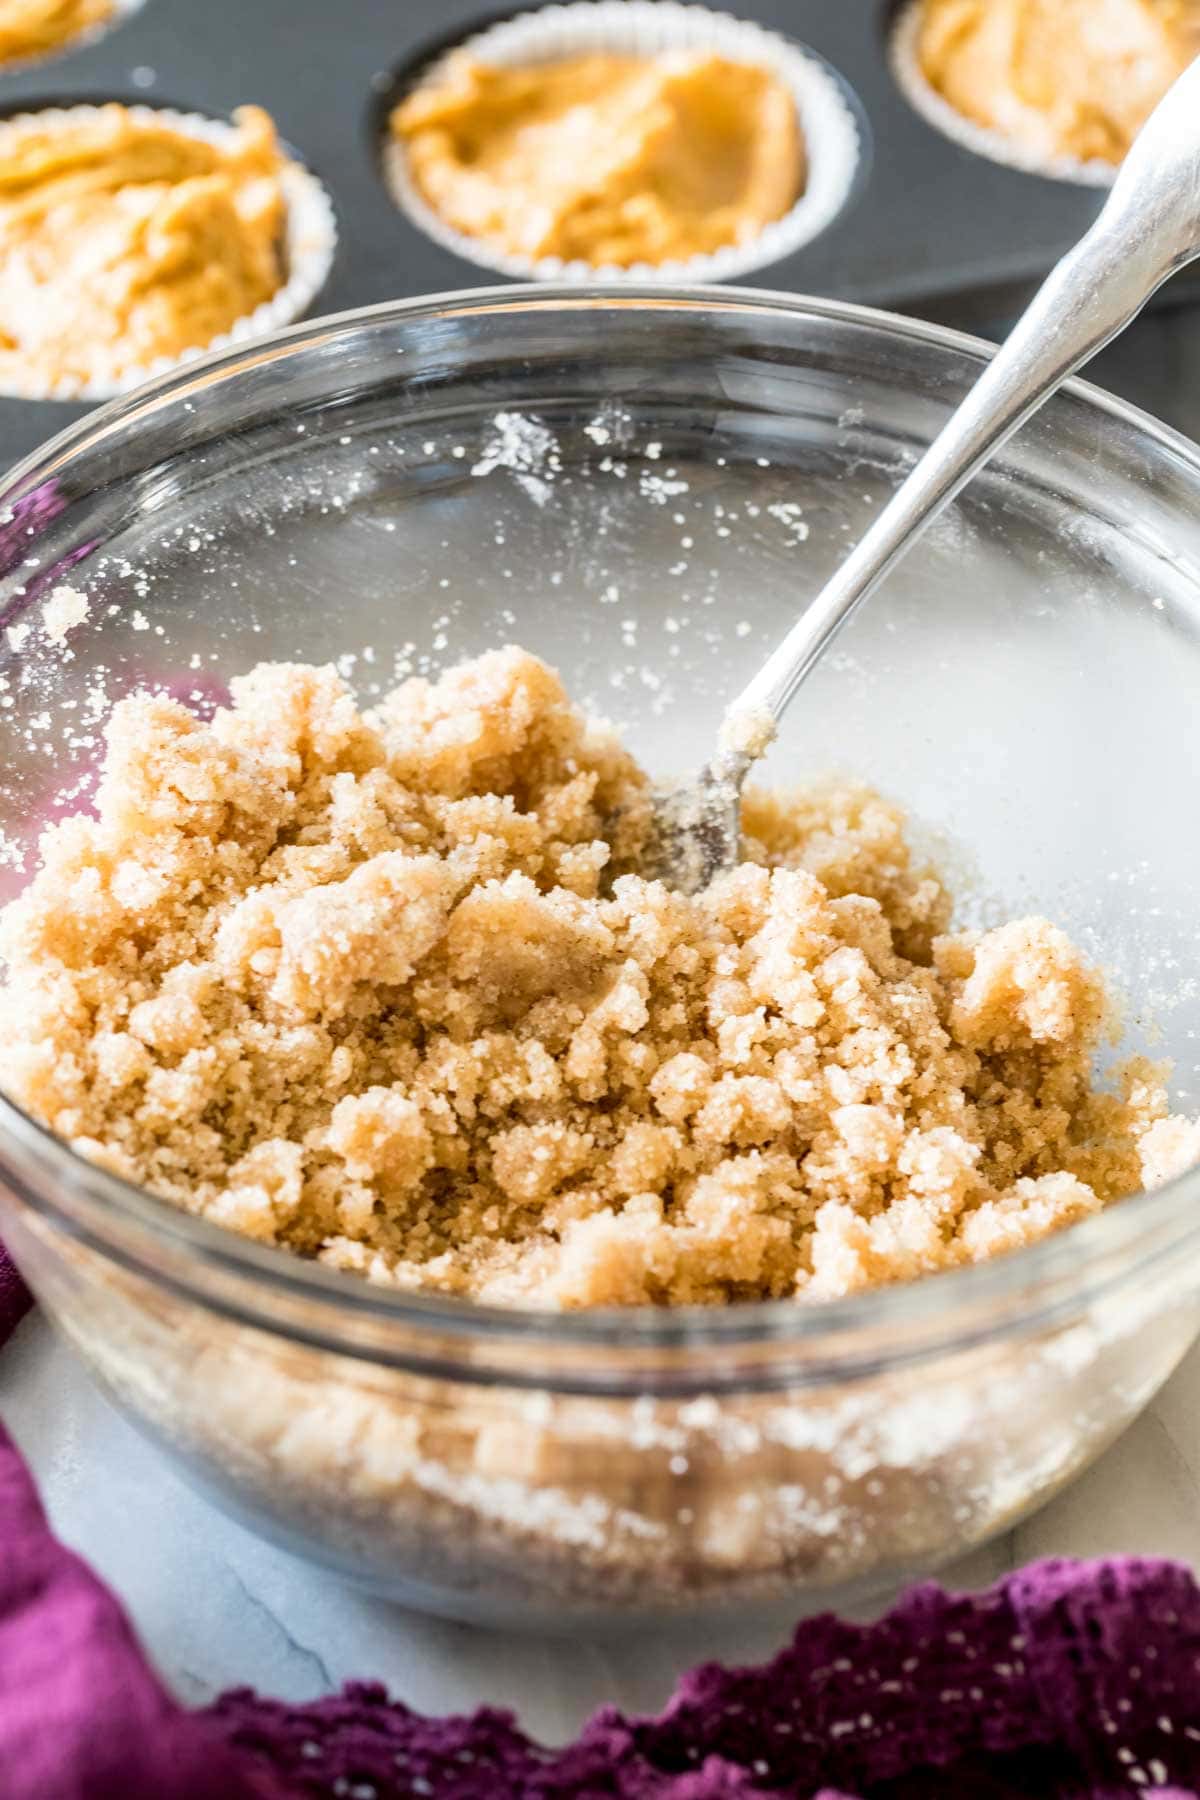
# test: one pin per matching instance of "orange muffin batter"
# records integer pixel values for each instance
(608, 160)
(36, 27)
(1074, 78)
(124, 239)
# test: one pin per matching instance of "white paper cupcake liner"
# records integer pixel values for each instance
(310, 239)
(832, 138)
(122, 10)
(982, 140)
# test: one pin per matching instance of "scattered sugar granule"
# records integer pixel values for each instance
(64, 609)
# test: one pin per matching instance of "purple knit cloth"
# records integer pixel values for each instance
(1067, 1681)
(15, 1297)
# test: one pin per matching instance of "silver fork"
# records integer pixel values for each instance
(1149, 227)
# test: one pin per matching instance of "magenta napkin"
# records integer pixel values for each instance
(81, 1712)
(1067, 1681)
(15, 1297)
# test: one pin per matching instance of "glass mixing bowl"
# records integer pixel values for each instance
(642, 487)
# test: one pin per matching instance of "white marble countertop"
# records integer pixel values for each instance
(217, 1608)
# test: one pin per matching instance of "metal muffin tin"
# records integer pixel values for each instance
(931, 228)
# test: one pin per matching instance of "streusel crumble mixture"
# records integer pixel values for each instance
(388, 989)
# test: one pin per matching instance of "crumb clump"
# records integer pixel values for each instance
(387, 989)
(64, 609)
(747, 731)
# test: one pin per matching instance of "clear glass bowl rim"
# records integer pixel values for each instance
(106, 1212)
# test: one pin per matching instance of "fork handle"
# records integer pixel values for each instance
(1149, 227)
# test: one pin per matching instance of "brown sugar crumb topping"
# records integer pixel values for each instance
(388, 989)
